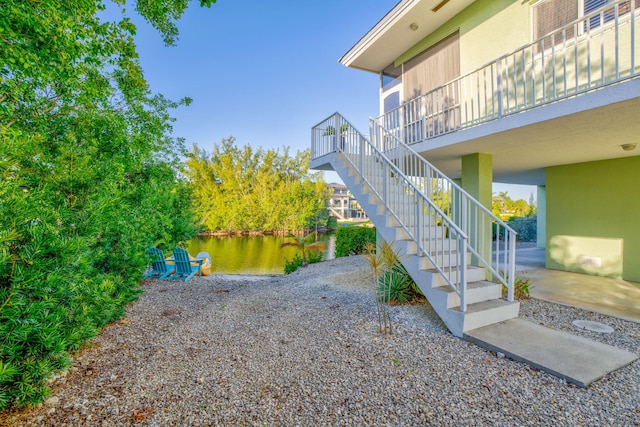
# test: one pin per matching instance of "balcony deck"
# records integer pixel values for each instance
(588, 127)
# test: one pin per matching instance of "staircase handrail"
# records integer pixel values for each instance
(357, 149)
(461, 202)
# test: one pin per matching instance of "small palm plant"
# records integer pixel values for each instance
(304, 244)
(382, 263)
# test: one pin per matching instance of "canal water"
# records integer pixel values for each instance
(251, 254)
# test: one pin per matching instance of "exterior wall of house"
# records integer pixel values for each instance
(488, 29)
(592, 218)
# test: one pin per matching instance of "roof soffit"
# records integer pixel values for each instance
(392, 35)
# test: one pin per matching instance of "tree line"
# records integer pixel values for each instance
(239, 189)
(506, 208)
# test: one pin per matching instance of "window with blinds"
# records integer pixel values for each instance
(551, 15)
(592, 5)
(434, 67)
(607, 14)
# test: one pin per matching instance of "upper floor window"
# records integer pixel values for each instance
(593, 5)
(551, 15)
(391, 76)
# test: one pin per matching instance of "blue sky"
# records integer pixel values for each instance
(265, 72)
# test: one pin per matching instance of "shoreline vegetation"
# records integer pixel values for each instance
(305, 231)
(231, 233)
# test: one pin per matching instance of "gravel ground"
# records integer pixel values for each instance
(305, 350)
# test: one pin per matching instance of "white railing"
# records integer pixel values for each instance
(491, 241)
(596, 50)
(444, 221)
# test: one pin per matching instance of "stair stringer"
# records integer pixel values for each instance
(484, 303)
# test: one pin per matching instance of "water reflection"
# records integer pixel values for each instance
(251, 254)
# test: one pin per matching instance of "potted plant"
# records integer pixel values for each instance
(331, 131)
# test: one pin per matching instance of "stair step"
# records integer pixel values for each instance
(434, 233)
(476, 292)
(444, 259)
(486, 313)
(409, 247)
(391, 222)
(406, 247)
(474, 274)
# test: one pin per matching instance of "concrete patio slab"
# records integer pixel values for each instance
(606, 295)
(578, 360)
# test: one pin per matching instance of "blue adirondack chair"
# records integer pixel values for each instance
(159, 268)
(205, 269)
(186, 268)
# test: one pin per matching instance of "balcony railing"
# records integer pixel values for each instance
(594, 51)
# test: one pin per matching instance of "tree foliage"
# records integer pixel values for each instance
(505, 207)
(241, 188)
(88, 180)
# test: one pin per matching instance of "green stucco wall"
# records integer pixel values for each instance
(593, 218)
(488, 29)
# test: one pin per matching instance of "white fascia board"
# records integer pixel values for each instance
(374, 34)
(393, 34)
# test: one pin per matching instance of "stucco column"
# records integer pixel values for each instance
(541, 217)
(477, 180)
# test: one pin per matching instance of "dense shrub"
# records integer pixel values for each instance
(526, 227)
(88, 181)
(353, 240)
(292, 265)
(259, 189)
(296, 262)
(332, 222)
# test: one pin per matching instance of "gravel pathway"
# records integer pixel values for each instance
(304, 350)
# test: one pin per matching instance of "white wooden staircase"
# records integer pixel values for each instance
(435, 250)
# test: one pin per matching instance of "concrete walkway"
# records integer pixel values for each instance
(577, 360)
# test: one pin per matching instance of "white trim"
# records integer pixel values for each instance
(378, 30)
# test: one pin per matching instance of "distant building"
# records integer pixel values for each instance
(343, 205)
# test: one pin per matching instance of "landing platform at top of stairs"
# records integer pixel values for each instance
(578, 360)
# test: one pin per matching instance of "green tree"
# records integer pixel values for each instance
(533, 208)
(505, 207)
(89, 178)
(242, 188)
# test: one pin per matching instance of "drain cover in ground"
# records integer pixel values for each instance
(593, 326)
